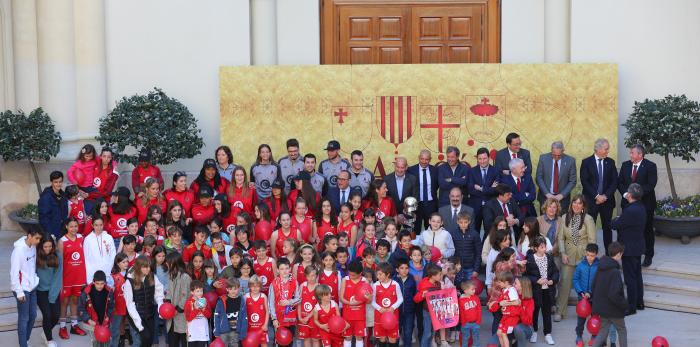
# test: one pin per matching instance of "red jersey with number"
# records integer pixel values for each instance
(118, 222)
(77, 211)
(186, 198)
(245, 203)
(266, 273)
(305, 227)
(73, 261)
(202, 215)
(354, 291)
(285, 290)
(326, 228)
(308, 302)
(385, 297)
(346, 228)
(332, 281)
(256, 311)
(143, 207)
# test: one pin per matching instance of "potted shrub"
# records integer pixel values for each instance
(670, 127)
(154, 121)
(33, 138)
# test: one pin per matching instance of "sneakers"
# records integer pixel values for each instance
(579, 341)
(548, 338)
(76, 330)
(557, 317)
(590, 342)
(533, 338)
(51, 344)
(63, 333)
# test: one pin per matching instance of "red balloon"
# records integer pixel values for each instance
(593, 325)
(217, 343)
(167, 310)
(222, 290)
(263, 230)
(336, 324)
(102, 333)
(478, 285)
(659, 341)
(211, 298)
(283, 336)
(435, 254)
(388, 321)
(79, 178)
(366, 289)
(583, 308)
(252, 339)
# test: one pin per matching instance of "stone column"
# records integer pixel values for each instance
(25, 54)
(557, 31)
(263, 17)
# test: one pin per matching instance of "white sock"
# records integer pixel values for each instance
(359, 342)
(73, 321)
(62, 324)
(347, 343)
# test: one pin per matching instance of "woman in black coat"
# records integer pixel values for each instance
(544, 275)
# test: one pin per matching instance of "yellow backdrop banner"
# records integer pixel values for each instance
(390, 110)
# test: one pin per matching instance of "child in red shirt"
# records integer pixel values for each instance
(431, 282)
(283, 299)
(256, 307)
(323, 312)
(308, 331)
(197, 314)
(509, 301)
(469, 313)
(387, 298)
(354, 296)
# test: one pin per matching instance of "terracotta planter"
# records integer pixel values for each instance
(678, 227)
(26, 224)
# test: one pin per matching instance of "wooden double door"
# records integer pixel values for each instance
(410, 32)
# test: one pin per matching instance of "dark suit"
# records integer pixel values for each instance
(630, 232)
(646, 177)
(589, 183)
(334, 195)
(458, 178)
(478, 198)
(525, 196)
(425, 207)
(503, 158)
(493, 209)
(410, 188)
(565, 182)
(446, 213)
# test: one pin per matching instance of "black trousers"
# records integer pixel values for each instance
(50, 312)
(632, 273)
(149, 328)
(649, 236)
(425, 209)
(545, 305)
(605, 211)
(176, 339)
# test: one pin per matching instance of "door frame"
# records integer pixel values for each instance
(330, 33)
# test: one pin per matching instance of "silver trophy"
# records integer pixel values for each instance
(410, 205)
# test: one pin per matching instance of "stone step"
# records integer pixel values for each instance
(673, 269)
(8, 321)
(672, 301)
(8, 305)
(664, 284)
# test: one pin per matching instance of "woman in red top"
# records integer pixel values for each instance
(101, 209)
(284, 232)
(263, 226)
(303, 223)
(121, 210)
(180, 193)
(304, 189)
(277, 201)
(105, 176)
(378, 200)
(151, 196)
(242, 193)
(144, 170)
(357, 211)
(347, 224)
(228, 215)
(203, 211)
(209, 176)
(326, 220)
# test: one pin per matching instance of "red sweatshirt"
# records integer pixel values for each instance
(191, 312)
(139, 176)
(424, 286)
(104, 181)
(528, 308)
(469, 309)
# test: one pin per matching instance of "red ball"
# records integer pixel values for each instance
(102, 334)
(167, 311)
(79, 178)
(211, 299)
(252, 339)
(222, 290)
(583, 308)
(217, 343)
(388, 321)
(283, 336)
(366, 292)
(263, 230)
(336, 324)
(435, 254)
(593, 325)
(478, 285)
(659, 341)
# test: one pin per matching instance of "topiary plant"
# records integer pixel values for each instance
(30, 137)
(667, 127)
(154, 121)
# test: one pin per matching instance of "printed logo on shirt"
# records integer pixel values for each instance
(238, 204)
(255, 317)
(386, 302)
(230, 228)
(380, 215)
(96, 182)
(265, 184)
(263, 279)
(334, 179)
(146, 179)
(121, 223)
(308, 307)
(81, 214)
(289, 180)
(75, 256)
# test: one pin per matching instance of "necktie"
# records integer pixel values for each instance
(519, 184)
(515, 155)
(483, 176)
(634, 173)
(600, 176)
(555, 178)
(424, 189)
(505, 210)
(342, 197)
(454, 214)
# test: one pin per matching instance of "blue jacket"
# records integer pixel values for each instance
(408, 290)
(583, 276)
(53, 212)
(221, 325)
(467, 248)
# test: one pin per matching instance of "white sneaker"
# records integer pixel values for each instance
(51, 344)
(548, 338)
(533, 338)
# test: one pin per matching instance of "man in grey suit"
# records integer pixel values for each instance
(561, 167)
(449, 212)
(401, 184)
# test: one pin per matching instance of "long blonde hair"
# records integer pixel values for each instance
(232, 187)
(144, 188)
(526, 287)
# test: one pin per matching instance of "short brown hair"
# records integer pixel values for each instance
(504, 276)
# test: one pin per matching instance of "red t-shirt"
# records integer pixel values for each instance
(140, 175)
(188, 252)
(245, 203)
(118, 222)
(469, 310)
(202, 215)
(266, 273)
(222, 189)
(353, 291)
(143, 208)
(186, 198)
(305, 227)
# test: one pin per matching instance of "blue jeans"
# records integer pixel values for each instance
(26, 315)
(114, 329)
(473, 330)
(406, 323)
(427, 329)
(161, 327)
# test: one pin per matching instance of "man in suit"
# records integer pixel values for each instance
(502, 205)
(401, 184)
(599, 181)
(427, 189)
(556, 176)
(630, 232)
(449, 212)
(341, 193)
(482, 179)
(513, 150)
(452, 174)
(643, 172)
(523, 187)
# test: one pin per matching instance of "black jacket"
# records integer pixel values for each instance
(646, 177)
(467, 248)
(608, 290)
(53, 212)
(630, 228)
(532, 271)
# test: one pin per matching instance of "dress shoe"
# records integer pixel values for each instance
(640, 307)
(647, 262)
(630, 312)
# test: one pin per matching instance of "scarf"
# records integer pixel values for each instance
(552, 232)
(576, 228)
